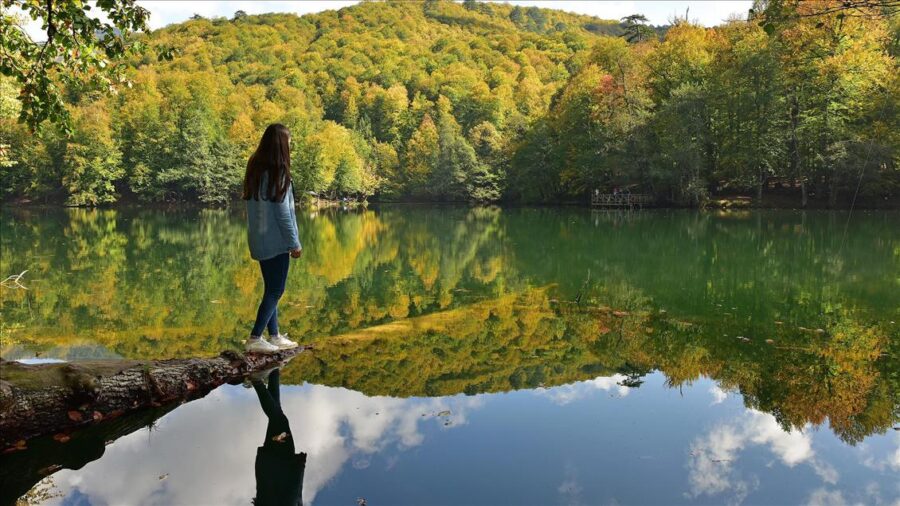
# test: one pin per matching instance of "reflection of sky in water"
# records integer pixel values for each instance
(592, 442)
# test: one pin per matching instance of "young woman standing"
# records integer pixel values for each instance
(271, 231)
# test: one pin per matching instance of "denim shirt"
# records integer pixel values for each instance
(271, 226)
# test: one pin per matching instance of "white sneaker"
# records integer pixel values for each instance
(259, 345)
(282, 342)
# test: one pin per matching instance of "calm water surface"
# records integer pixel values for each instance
(482, 356)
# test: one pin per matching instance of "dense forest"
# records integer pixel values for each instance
(446, 101)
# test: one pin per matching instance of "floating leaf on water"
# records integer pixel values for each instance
(360, 501)
(163, 476)
(445, 412)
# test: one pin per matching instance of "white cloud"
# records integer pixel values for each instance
(334, 426)
(718, 394)
(710, 465)
(881, 462)
(565, 394)
(825, 497)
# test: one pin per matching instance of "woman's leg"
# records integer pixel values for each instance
(272, 326)
(269, 400)
(274, 272)
(280, 274)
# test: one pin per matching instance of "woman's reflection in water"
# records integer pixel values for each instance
(279, 471)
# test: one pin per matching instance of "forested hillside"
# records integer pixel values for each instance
(483, 102)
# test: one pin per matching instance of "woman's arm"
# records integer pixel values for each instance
(287, 221)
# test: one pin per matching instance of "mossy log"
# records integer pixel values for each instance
(49, 398)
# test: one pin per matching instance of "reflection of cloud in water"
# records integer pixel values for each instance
(871, 458)
(718, 394)
(570, 490)
(712, 456)
(565, 394)
(332, 425)
(824, 497)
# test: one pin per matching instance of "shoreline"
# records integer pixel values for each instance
(723, 202)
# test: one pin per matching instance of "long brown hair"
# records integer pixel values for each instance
(273, 158)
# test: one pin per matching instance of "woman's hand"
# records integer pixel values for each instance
(295, 253)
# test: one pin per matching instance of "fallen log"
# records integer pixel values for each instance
(21, 470)
(48, 398)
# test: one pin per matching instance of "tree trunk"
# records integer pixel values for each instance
(794, 148)
(761, 181)
(49, 398)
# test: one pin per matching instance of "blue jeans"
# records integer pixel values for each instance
(274, 273)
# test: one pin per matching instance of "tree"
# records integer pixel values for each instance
(421, 157)
(80, 51)
(91, 161)
(636, 29)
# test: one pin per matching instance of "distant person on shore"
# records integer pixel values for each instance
(271, 231)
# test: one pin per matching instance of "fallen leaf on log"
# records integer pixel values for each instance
(75, 416)
(20, 445)
(190, 386)
(61, 438)
(98, 416)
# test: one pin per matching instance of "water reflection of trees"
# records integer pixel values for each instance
(443, 301)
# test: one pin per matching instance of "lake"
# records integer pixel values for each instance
(485, 355)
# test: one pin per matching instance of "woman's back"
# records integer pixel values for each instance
(271, 225)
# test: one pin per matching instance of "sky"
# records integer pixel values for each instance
(659, 12)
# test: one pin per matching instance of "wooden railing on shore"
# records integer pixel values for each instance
(630, 200)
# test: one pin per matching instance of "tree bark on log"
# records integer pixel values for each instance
(49, 398)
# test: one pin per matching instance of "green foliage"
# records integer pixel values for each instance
(481, 102)
(91, 164)
(81, 51)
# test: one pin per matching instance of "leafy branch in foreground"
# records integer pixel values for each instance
(81, 51)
